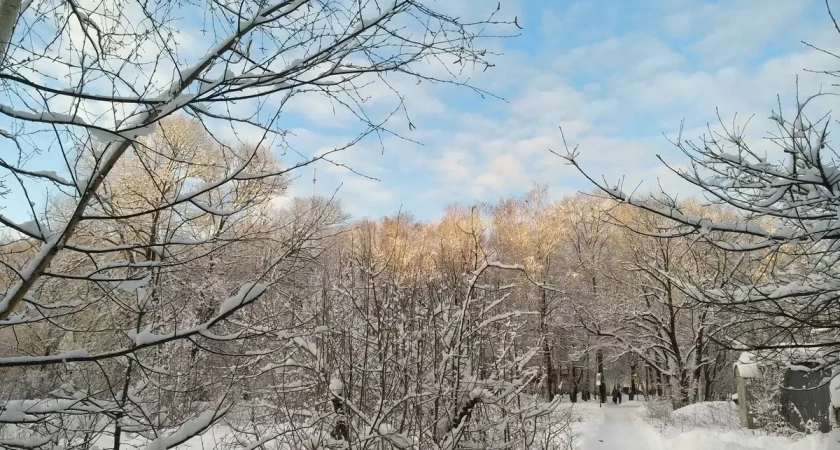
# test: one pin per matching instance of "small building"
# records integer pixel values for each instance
(806, 398)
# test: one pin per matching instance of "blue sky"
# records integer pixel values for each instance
(614, 75)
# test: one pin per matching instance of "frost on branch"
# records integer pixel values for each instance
(780, 231)
(157, 280)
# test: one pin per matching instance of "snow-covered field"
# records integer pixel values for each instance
(705, 426)
(629, 426)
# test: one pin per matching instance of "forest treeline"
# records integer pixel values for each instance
(393, 322)
(166, 288)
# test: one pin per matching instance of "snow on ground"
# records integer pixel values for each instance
(723, 415)
(624, 427)
(704, 426)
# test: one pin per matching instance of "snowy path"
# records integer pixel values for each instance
(622, 428)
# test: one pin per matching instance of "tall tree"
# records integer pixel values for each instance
(785, 296)
(530, 230)
(135, 267)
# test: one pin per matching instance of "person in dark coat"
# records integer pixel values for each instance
(615, 395)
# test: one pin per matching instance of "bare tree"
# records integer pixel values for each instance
(652, 319)
(784, 290)
(530, 230)
(130, 264)
(395, 363)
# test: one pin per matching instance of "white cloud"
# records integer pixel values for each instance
(453, 165)
(632, 55)
(502, 172)
(643, 82)
(736, 31)
(370, 196)
(612, 94)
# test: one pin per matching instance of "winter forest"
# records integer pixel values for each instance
(167, 288)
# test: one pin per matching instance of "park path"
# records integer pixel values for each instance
(622, 428)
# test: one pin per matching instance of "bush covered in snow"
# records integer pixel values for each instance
(707, 415)
(557, 432)
(659, 412)
(722, 415)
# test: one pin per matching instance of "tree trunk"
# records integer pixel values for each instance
(602, 388)
(683, 397)
(9, 12)
(551, 376)
(698, 360)
(586, 392)
(660, 389)
(701, 388)
(707, 386)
